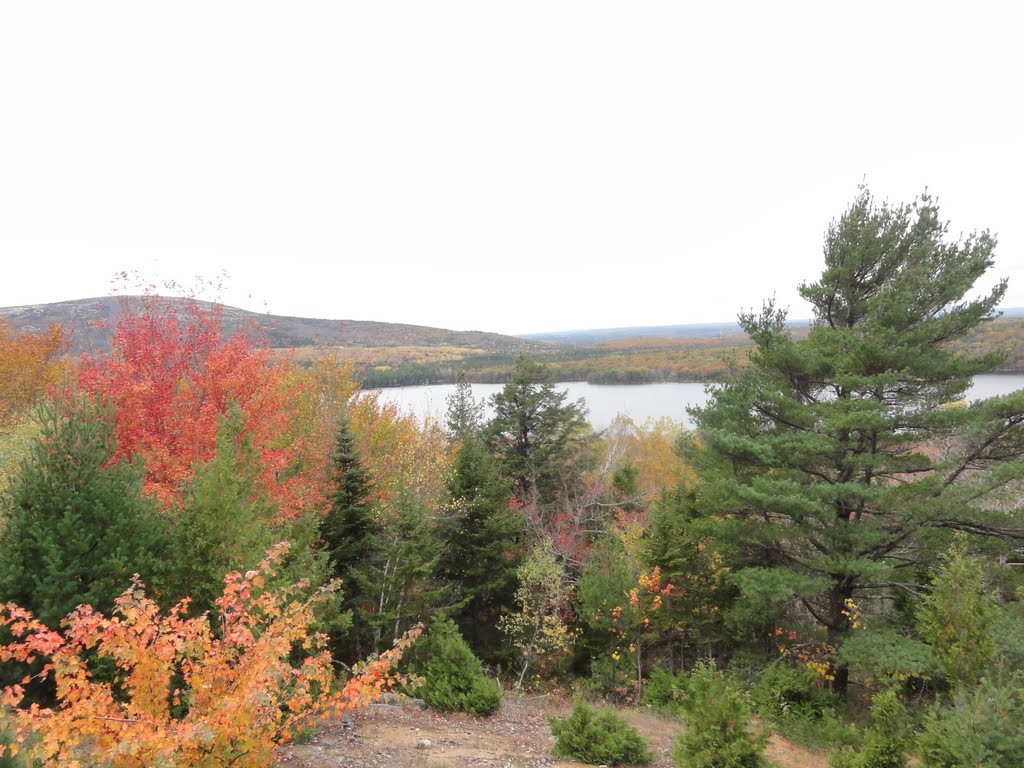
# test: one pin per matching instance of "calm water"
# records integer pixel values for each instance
(638, 401)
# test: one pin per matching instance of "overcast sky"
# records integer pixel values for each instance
(508, 167)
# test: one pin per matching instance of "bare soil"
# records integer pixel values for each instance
(517, 736)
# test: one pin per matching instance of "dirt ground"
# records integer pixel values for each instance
(518, 736)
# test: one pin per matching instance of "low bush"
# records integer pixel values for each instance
(453, 678)
(982, 729)
(718, 724)
(599, 737)
(885, 745)
(799, 708)
(664, 691)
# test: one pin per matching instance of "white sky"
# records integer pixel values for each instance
(508, 167)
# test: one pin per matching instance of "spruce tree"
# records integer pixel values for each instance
(464, 415)
(78, 525)
(833, 457)
(482, 542)
(351, 537)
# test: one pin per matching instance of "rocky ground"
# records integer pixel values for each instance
(518, 736)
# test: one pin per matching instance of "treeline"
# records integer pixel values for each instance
(597, 365)
(839, 534)
(641, 361)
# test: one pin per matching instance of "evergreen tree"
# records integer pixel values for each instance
(536, 433)
(78, 525)
(453, 678)
(351, 537)
(464, 415)
(225, 522)
(482, 540)
(681, 541)
(956, 618)
(833, 456)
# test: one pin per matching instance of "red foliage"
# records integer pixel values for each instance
(172, 373)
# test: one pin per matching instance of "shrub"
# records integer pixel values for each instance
(453, 677)
(717, 724)
(886, 743)
(599, 737)
(799, 708)
(982, 729)
(783, 688)
(242, 696)
(664, 691)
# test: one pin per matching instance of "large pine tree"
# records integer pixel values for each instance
(835, 455)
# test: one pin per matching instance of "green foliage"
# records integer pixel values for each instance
(351, 538)
(664, 691)
(718, 723)
(682, 542)
(784, 689)
(463, 415)
(400, 578)
(885, 745)
(482, 547)
(815, 456)
(599, 737)
(536, 433)
(78, 524)
(982, 728)
(793, 700)
(605, 611)
(225, 521)
(886, 653)
(453, 678)
(956, 618)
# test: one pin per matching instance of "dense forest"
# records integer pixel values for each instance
(207, 546)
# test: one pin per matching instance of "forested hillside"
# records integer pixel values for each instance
(392, 354)
(206, 546)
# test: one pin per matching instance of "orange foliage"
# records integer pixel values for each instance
(29, 362)
(243, 695)
(171, 375)
(318, 395)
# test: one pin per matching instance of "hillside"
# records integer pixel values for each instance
(91, 323)
(395, 354)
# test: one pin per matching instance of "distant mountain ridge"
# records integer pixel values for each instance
(397, 354)
(91, 324)
(684, 331)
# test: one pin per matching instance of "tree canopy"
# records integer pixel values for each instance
(833, 456)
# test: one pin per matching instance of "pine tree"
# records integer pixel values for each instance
(833, 456)
(78, 526)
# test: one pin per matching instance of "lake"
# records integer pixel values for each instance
(638, 401)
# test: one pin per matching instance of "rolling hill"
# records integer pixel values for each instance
(394, 354)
